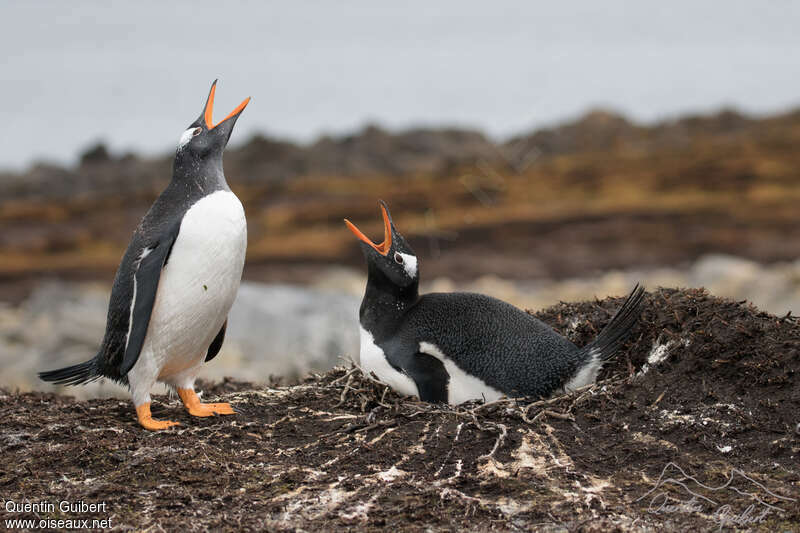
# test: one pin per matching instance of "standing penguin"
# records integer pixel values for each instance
(177, 280)
(455, 347)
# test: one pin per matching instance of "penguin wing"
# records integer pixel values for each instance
(430, 376)
(427, 372)
(145, 286)
(216, 344)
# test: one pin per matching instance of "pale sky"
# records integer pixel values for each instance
(136, 74)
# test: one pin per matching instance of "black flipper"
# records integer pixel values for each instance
(216, 344)
(430, 376)
(146, 280)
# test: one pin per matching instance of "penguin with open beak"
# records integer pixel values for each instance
(455, 347)
(177, 280)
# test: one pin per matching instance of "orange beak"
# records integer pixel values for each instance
(210, 109)
(382, 248)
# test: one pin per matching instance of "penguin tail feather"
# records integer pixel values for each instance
(607, 343)
(79, 374)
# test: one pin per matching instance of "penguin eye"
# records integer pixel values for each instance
(398, 258)
(197, 131)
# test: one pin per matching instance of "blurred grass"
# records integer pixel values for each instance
(745, 179)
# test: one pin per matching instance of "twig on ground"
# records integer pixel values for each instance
(344, 391)
(497, 443)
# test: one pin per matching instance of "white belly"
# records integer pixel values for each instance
(461, 387)
(198, 285)
(374, 360)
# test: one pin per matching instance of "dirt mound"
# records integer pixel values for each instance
(695, 426)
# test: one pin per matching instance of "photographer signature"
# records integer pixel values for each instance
(723, 514)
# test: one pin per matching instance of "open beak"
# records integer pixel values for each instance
(382, 248)
(207, 114)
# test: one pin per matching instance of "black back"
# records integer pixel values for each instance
(505, 347)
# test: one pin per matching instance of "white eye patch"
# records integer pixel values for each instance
(410, 264)
(186, 137)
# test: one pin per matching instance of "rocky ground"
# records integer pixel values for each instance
(694, 426)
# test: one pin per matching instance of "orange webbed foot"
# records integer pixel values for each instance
(196, 408)
(148, 422)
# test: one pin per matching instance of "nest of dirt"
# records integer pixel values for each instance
(694, 426)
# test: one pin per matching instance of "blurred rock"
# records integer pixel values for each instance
(273, 330)
(597, 130)
(775, 288)
(287, 331)
(59, 325)
(95, 154)
(374, 151)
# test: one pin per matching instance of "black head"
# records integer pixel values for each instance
(205, 141)
(393, 258)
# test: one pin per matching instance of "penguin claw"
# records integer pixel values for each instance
(148, 422)
(195, 408)
(157, 425)
(211, 409)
